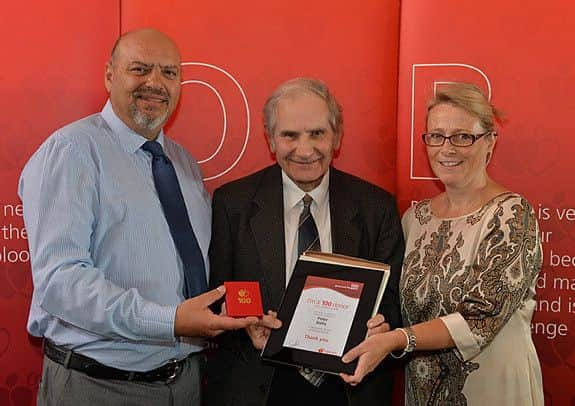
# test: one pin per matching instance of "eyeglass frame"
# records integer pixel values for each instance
(475, 137)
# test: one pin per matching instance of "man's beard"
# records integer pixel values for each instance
(142, 119)
(146, 121)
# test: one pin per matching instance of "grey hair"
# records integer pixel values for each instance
(302, 85)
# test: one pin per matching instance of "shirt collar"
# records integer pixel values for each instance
(130, 140)
(293, 194)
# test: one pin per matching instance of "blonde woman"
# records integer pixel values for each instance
(468, 283)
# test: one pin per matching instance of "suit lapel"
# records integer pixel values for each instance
(344, 215)
(267, 224)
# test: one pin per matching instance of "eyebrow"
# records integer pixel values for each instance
(315, 129)
(456, 131)
(151, 65)
(289, 132)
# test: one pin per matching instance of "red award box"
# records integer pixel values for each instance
(243, 299)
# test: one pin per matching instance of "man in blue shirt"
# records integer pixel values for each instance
(113, 248)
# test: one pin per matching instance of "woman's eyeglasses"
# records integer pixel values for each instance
(457, 140)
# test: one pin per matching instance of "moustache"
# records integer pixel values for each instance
(151, 91)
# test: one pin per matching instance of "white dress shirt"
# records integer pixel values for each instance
(293, 206)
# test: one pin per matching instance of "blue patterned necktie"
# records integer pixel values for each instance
(172, 200)
(308, 236)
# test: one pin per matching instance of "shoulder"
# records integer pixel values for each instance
(418, 213)
(87, 125)
(509, 201)
(510, 221)
(79, 133)
(507, 212)
(68, 151)
(179, 154)
(518, 211)
(411, 210)
(75, 139)
(359, 189)
(176, 151)
(245, 188)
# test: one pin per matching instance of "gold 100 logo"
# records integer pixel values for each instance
(244, 296)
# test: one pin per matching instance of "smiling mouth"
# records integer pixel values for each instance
(152, 98)
(151, 95)
(311, 162)
(450, 164)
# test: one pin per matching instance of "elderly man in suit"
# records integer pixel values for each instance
(255, 236)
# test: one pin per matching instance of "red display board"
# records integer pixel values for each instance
(238, 53)
(515, 51)
(52, 73)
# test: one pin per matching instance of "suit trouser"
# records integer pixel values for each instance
(61, 386)
(289, 388)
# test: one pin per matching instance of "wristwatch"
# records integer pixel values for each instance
(411, 342)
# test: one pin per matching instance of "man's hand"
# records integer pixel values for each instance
(195, 319)
(260, 332)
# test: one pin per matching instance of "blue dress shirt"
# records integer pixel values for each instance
(107, 275)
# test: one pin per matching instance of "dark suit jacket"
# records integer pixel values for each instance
(248, 244)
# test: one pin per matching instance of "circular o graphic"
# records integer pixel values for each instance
(225, 126)
(224, 114)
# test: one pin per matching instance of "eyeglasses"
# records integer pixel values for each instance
(457, 140)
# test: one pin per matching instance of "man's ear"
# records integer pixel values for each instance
(337, 141)
(271, 143)
(108, 76)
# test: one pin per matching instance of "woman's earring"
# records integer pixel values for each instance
(488, 158)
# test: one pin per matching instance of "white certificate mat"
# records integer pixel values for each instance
(324, 311)
(324, 315)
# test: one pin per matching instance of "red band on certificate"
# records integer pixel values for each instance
(347, 288)
(243, 299)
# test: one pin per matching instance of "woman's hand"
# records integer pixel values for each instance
(370, 353)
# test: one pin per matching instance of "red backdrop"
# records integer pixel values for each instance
(517, 50)
(52, 73)
(380, 58)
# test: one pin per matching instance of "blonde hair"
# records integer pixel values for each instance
(471, 99)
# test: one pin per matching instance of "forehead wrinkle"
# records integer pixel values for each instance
(133, 45)
(315, 128)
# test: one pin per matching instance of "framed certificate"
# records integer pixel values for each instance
(324, 311)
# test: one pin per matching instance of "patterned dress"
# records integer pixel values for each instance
(477, 273)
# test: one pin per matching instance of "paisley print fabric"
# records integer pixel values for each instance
(477, 273)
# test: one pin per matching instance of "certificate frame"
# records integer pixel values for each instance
(373, 276)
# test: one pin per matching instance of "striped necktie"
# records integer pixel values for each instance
(308, 236)
(308, 239)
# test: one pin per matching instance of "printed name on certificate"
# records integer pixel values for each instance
(324, 315)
